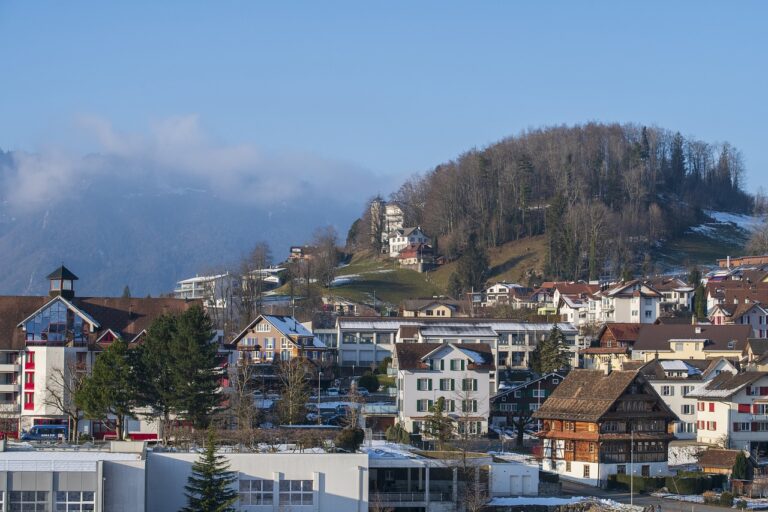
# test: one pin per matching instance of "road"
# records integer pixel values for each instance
(642, 500)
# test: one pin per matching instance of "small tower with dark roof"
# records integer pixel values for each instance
(62, 282)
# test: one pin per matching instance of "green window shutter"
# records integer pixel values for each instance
(429, 385)
(430, 404)
(453, 385)
(474, 384)
(442, 364)
(474, 405)
(462, 365)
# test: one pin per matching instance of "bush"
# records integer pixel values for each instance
(641, 483)
(546, 476)
(369, 381)
(710, 497)
(397, 434)
(383, 365)
(726, 499)
(350, 439)
(742, 504)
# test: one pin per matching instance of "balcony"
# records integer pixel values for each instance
(9, 388)
(9, 368)
(394, 499)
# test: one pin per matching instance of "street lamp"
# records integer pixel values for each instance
(631, 464)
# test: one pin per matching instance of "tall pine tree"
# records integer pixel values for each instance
(551, 353)
(210, 486)
(473, 265)
(109, 393)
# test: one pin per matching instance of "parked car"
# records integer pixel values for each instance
(363, 391)
(45, 433)
(333, 392)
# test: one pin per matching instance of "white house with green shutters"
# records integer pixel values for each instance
(459, 373)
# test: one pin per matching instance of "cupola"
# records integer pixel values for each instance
(62, 282)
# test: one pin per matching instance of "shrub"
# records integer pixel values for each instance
(742, 504)
(641, 483)
(726, 499)
(369, 381)
(546, 476)
(397, 434)
(350, 439)
(710, 497)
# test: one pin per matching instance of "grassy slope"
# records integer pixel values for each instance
(510, 262)
(700, 249)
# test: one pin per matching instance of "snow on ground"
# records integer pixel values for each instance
(748, 222)
(690, 498)
(554, 502)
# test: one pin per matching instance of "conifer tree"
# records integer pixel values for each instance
(210, 486)
(551, 353)
(109, 392)
(438, 425)
(473, 265)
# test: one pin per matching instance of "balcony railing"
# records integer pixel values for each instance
(408, 497)
(9, 368)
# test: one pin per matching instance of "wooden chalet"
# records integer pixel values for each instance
(598, 423)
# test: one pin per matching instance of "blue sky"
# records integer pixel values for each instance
(391, 88)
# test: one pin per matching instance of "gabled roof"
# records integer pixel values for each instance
(82, 314)
(654, 337)
(758, 346)
(621, 331)
(286, 325)
(670, 284)
(62, 273)
(727, 384)
(420, 304)
(522, 385)
(658, 369)
(575, 288)
(724, 459)
(624, 289)
(587, 395)
(412, 356)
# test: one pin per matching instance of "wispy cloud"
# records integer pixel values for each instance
(177, 152)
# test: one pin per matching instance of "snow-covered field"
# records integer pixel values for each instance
(553, 502)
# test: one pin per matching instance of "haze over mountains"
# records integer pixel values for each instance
(148, 210)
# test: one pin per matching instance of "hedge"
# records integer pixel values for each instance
(546, 476)
(641, 483)
(684, 483)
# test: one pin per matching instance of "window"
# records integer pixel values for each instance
(518, 394)
(29, 400)
(711, 406)
(678, 347)
(469, 384)
(539, 393)
(686, 409)
(263, 327)
(28, 500)
(744, 408)
(648, 314)
(295, 492)
(621, 469)
(76, 501)
(269, 343)
(686, 390)
(667, 390)
(457, 364)
(586, 470)
(469, 406)
(255, 492)
(645, 470)
(568, 466)
(555, 381)
(743, 426)
(423, 405)
(450, 406)
(284, 343)
(533, 407)
(447, 385)
(700, 406)
(423, 384)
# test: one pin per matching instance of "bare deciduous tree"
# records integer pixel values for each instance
(63, 383)
(293, 375)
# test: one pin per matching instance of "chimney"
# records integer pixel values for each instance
(608, 369)
(728, 262)
(697, 329)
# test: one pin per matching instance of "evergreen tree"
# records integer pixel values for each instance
(741, 468)
(550, 354)
(455, 288)
(437, 425)
(194, 370)
(473, 265)
(210, 486)
(157, 383)
(108, 393)
(126, 292)
(700, 302)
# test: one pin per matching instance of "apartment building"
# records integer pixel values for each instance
(459, 373)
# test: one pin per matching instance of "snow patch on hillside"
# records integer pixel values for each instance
(746, 222)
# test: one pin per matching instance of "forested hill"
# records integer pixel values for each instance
(604, 194)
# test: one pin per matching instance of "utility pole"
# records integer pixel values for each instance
(631, 464)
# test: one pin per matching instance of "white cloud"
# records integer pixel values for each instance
(177, 153)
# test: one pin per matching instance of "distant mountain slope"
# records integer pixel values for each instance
(116, 228)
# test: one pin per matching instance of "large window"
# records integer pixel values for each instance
(55, 323)
(255, 492)
(423, 384)
(75, 501)
(28, 501)
(295, 492)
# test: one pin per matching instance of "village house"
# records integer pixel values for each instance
(46, 339)
(430, 308)
(732, 412)
(749, 313)
(270, 338)
(418, 257)
(631, 302)
(404, 237)
(613, 346)
(677, 295)
(690, 341)
(675, 379)
(596, 424)
(516, 404)
(459, 373)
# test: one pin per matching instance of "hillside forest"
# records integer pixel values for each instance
(603, 194)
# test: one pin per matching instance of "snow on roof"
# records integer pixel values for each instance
(474, 356)
(458, 330)
(287, 325)
(674, 365)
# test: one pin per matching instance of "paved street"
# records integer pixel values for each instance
(643, 500)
